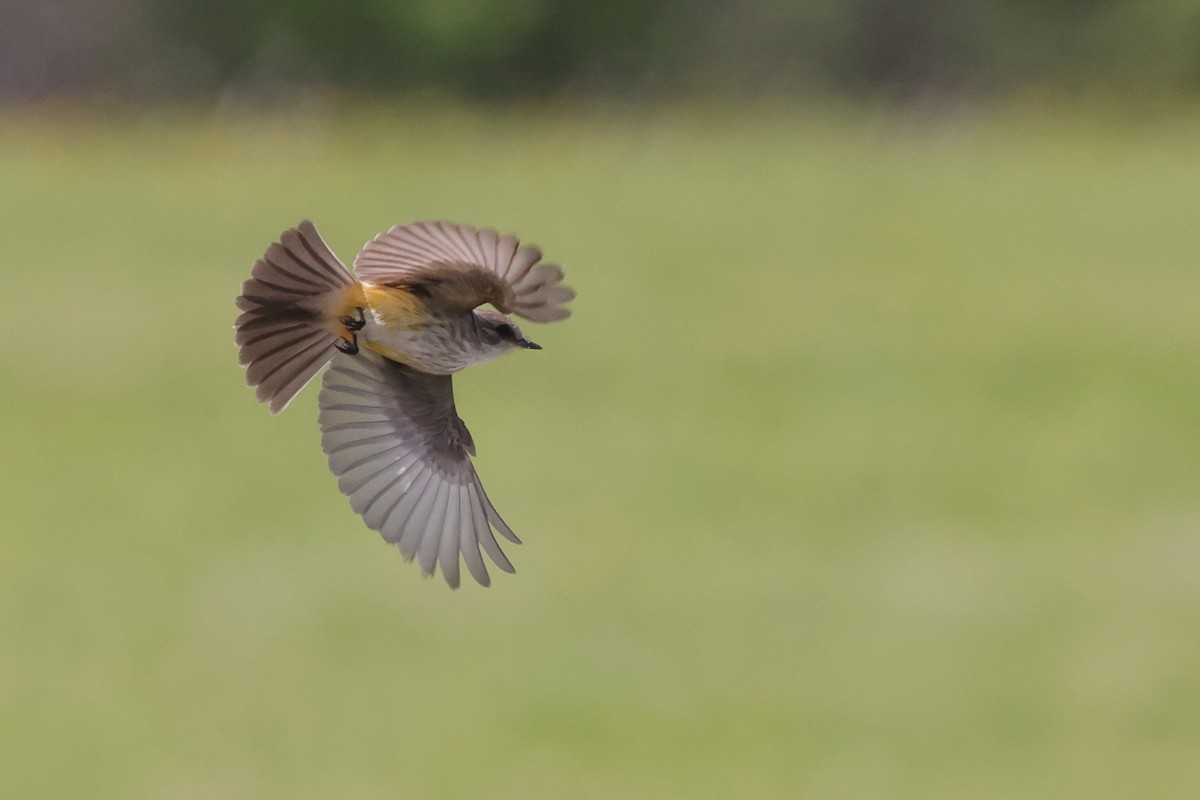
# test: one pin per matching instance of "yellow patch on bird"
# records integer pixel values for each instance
(335, 305)
(396, 308)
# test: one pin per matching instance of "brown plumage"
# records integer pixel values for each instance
(461, 268)
(285, 333)
(394, 336)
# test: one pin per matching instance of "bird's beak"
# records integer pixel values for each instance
(528, 345)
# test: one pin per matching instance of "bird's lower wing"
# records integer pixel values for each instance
(402, 456)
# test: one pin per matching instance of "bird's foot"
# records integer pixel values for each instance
(353, 323)
(348, 343)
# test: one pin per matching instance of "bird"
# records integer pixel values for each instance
(389, 336)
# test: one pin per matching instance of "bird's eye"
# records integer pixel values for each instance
(505, 331)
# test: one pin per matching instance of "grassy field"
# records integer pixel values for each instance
(868, 466)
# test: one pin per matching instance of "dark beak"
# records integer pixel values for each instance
(528, 345)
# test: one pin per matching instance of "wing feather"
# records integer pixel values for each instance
(447, 554)
(468, 539)
(377, 515)
(486, 538)
(461, 267)
(435, 526)
(401, 529)
(493, 515)
(402, 456)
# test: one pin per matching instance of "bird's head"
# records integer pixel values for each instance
(499, 333)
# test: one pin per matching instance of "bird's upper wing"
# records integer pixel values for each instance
(460, 267)
(402, 456)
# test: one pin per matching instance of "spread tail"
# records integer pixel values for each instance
(292, 306)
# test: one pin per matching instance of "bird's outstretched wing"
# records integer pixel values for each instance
(402, 456)
(459, 267)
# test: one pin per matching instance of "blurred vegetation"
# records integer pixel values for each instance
(866, 468)
(505, 49)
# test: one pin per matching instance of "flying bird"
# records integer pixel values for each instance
(392, 333)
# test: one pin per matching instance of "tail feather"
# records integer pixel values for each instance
(291, 304)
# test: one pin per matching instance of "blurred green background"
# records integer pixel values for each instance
(867, 467)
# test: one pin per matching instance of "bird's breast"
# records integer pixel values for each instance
(400, 327)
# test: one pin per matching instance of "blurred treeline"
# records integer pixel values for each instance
(511, 49)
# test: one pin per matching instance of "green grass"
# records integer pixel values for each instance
(868, 466)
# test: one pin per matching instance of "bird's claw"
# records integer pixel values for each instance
(355, 324)
(352, 324)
